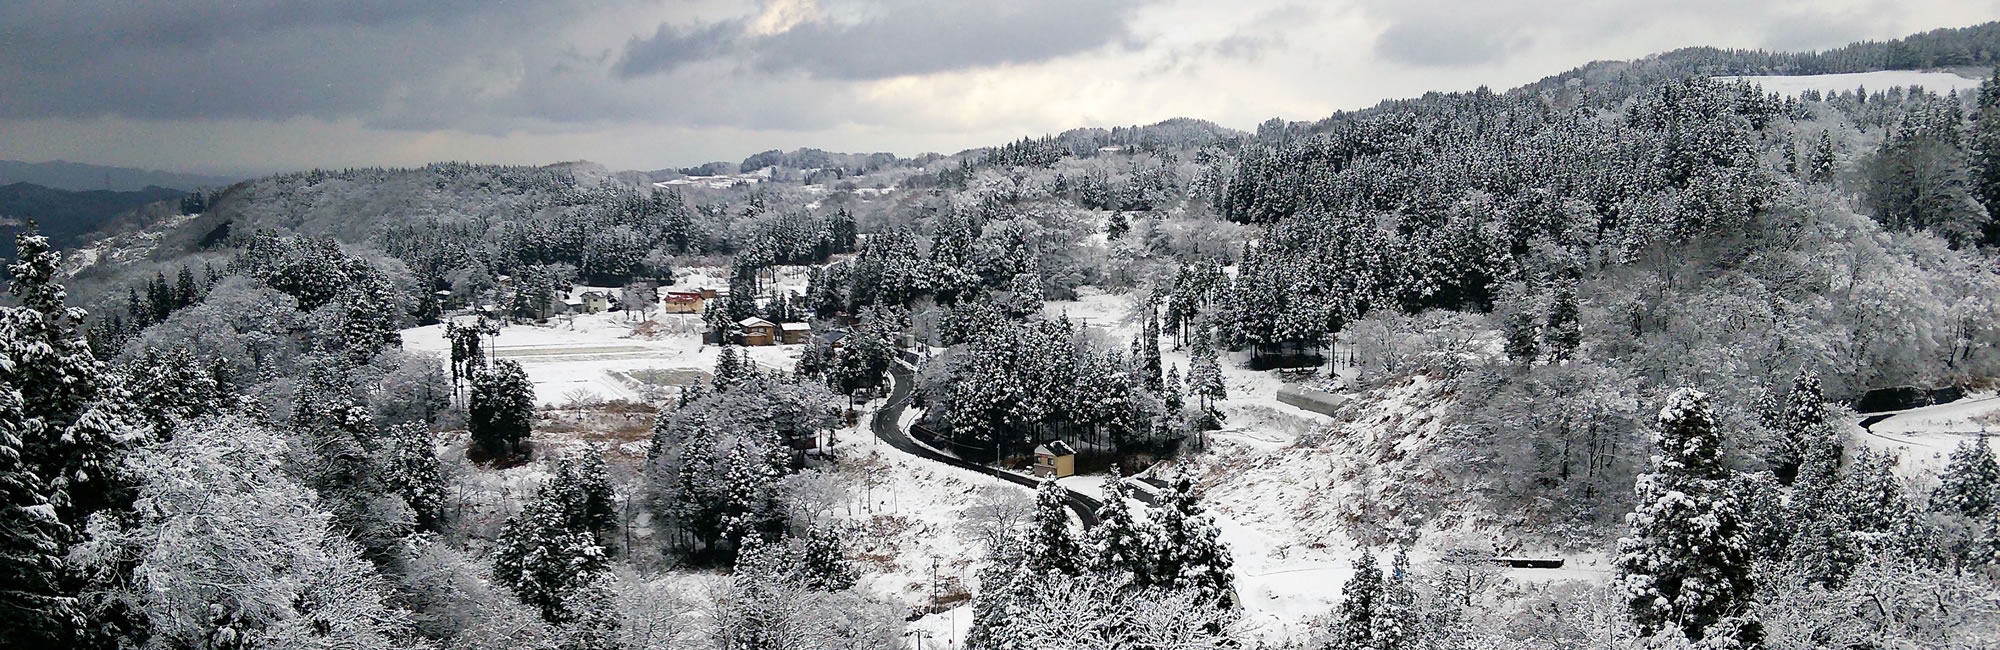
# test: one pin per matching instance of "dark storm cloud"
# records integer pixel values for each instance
(895, 38)
(205, 59)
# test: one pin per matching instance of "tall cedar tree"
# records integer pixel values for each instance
(502, 412)
(1049, 546)
(1985, 149)
(1189, 553)
(1686, 564)
(1119, 544)
(544, 560)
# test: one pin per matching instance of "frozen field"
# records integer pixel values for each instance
(1924, 437)
(597, 356)
(1792, 85)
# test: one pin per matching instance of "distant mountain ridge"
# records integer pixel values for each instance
(69, 217)
(80, 177)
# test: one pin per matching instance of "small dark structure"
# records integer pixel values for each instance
(1529, 562)
(1900, 398)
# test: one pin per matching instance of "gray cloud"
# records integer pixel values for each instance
(894, 38)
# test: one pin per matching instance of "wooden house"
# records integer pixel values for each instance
(796, 333)
(757, 331)
(1055, 459)
(682, 302)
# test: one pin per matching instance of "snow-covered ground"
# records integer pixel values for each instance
(914, 532)
(602, 356)
(599, 356)
(1792, 85)
(1924, 437)
(1276, 505)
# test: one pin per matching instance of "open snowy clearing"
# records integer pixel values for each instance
(597, 356)
(1924, 437)
(1792, 85)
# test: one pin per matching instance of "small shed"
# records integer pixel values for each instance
(1055, 459)
(757, 331)
(682, 302)
(1311, 399)
(796, 333)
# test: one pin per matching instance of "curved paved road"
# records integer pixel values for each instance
(886, 429)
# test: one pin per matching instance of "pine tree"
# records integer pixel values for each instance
(1172, 391)
(1802, 424)
(1394, 625)
(1354, 621)
(57, 376)
(1985, 152)
(1686, 564)
(1004, 592)
(544, 561)
(823, 560)
(1049, 547)
(1205, 370)
(1562, 330)
(583, 485)
(414, 472)
(1824, 163)
(1521, 332)
(502, 410)
(35, 611)
(1119, 544)
(729, 369)
(1821, 546)
(1970, 484)
(1189, 551)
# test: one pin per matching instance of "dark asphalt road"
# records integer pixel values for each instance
(886, 430)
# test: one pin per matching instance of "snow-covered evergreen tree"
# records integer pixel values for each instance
(412, 471)
(1353, 624)
(502, 409)
(1189, 553)
(35, 611)
(1970, 484)
(545, 560)
(823, 562)
(1395, 622)
(1686, 564)
(1049, 546)
(1120, 545)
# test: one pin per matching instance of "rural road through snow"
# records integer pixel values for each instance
(885, 428)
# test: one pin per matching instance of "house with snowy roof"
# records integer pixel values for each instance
(1055, 459)
(757, 331)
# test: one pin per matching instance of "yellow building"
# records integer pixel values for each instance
(1055, 459)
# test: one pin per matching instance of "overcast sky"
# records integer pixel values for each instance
(254, 86)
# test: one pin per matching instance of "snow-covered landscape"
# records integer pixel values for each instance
(1694, 350)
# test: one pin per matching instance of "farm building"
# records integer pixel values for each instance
(796, 333)
(1055, 459)
(584, 301)
(682, 302)
(757, 331)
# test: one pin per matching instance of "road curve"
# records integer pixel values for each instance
(887, 431)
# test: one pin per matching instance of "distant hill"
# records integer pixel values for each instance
(79, 177)
(66, 216)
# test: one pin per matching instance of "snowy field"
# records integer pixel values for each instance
(1792, 85)
(1924, 437)
(606, 356)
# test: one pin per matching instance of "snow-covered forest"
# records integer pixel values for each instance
(1637, 356)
